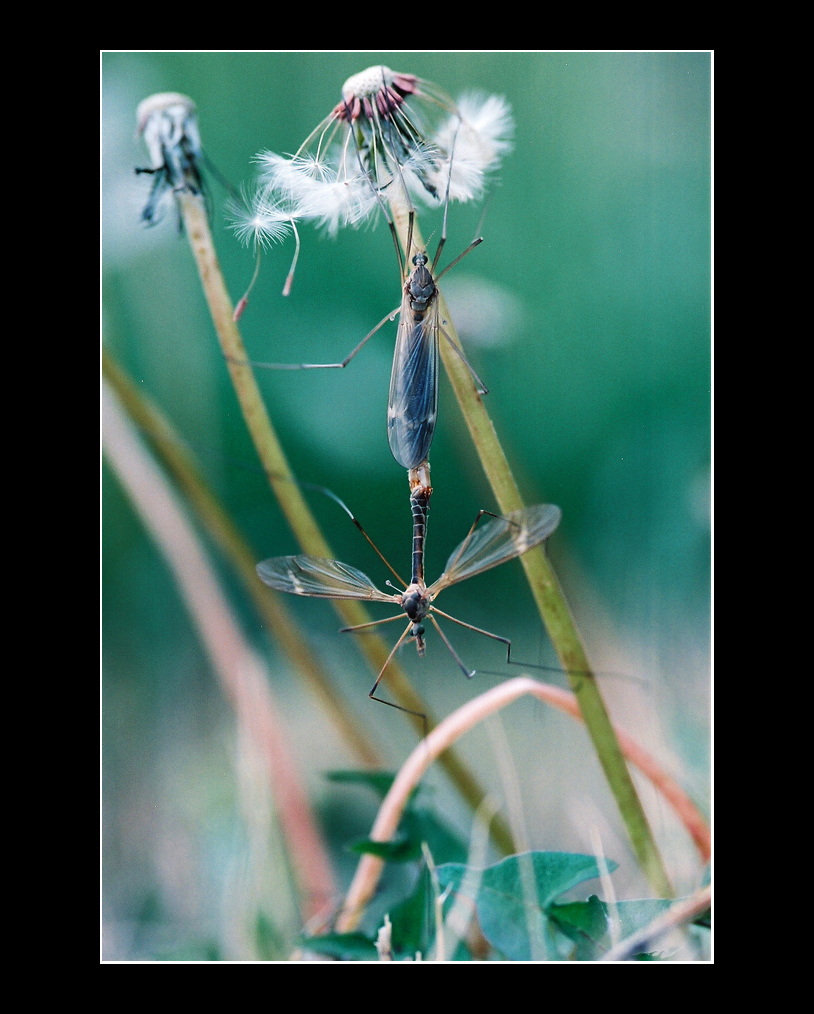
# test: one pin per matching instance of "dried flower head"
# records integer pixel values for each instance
(169, 125)
(393, 137)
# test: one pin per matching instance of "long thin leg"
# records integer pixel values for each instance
(390, 704)
(366, 626)
(477, 630)
(317, 366)
(376, 194)
(495, 637)
(443, 238)
(528, 665)
(469, 674)
(469, 249)
(482, 388)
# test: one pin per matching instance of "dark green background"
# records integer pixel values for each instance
(597, 249)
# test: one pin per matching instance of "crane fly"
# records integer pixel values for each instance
(486, 546)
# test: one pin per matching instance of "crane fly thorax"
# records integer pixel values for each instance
(416, 603)
(420, 287)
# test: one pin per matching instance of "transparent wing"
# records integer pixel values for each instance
(498, 540)
(413, 406)
(313, 575)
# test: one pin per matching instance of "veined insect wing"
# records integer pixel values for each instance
(412, 407)
(497, 541)
(318, 577)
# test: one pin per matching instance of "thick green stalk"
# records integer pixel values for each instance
(551, 603)
(285, 488)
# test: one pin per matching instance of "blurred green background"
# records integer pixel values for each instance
(587, 313)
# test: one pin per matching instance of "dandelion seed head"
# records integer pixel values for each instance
(162, 102)
(338, 203)
(488, 124)
(377, 145)
(372, 80)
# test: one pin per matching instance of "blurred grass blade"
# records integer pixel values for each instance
(241, 672)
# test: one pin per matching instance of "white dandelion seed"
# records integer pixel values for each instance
(257, 221)
(331, 194)
(473, 141)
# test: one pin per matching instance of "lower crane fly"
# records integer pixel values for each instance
(486, 546)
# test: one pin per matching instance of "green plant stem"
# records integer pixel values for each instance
(551, 602)
(277, 617)
(288, 494)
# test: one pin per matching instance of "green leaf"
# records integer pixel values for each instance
(514, 895)
(347, 946)
(402, 850)
(445, 845)
(584, 922)
(412, 919)
(413, 922)
(417, 826)
(379, 781)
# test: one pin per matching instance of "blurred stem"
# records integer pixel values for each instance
(277, 618)
(369, 870)
(241, 672)
(288, 494)
(551, 602)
